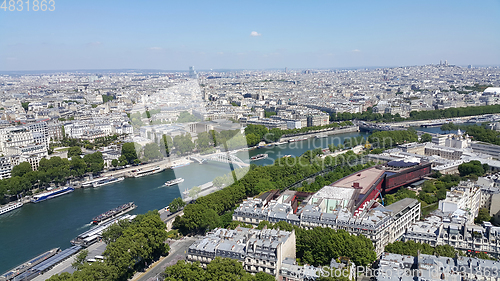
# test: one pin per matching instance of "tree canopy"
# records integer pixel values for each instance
(130, 247)
(128, 151)
(411, 248)
(472, 168)
(217, 270)
(185, 117)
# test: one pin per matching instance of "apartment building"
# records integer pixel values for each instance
(40, 132)
(258, 250)
(381, 224)
(469, 238)
(15, 137)
(464, 199)
(5, 168)
(430, 267)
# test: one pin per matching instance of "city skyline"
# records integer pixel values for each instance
(258, 35)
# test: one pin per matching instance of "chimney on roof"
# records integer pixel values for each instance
(355, 185)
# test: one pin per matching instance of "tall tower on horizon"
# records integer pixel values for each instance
(192, 72)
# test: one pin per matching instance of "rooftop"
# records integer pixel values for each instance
(365, 178)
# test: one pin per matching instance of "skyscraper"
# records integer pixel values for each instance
(192, 72)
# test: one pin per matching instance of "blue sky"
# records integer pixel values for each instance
(173, 35)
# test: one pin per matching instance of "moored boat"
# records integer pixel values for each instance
(149, 171)
(52, 194)
(10, 207)
(91, 182)
(107, 181)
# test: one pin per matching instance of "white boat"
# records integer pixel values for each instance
(174, 181)
(107, 181)
(91, 182)
(258, 157)
(146, 172)
(10, 207)
(51, 194)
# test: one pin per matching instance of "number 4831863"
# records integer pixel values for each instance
(27, 5)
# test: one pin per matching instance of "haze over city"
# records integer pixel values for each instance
(249, 35)
(256, 140)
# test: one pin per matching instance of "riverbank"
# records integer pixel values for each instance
(164, 164)
(321, 133)
(57, 221)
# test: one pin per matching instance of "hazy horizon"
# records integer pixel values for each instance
(82, 35)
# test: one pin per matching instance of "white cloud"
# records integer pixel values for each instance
(156, 48)
(356, 51)
(255, 34)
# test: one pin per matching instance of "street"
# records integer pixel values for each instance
(178, 251)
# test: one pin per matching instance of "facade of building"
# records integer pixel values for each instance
(486, 148)
(382, 225)
(464, 198)
(469, 238)
(15, 137)
(258, 250)
(5, 168)
(435, 268)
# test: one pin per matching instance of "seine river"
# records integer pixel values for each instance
(36, 228)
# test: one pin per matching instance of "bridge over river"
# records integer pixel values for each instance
(221, 157)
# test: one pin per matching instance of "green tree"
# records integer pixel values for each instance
(21, 169)
(128, 150)
(80, 259)
(115, 231)
(448, 127)
(185, 271)
(152, 151)
(78, 167)
(25, 105)
(471, 168)
(204, 141)
(274, 135)
(425, 138)
(226, 269)
(194, 191)
(183, 143)
(176, 204)
(185, 117)
(197, 219)
(482, 216)
(74, 151)
(122, 160)
(252, 139)
(114, 162)
(95, 162)
(167, 144)
(106, 98)
(261, 276)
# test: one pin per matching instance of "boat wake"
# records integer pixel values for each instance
(84, 226)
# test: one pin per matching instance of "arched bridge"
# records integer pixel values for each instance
(222, 158)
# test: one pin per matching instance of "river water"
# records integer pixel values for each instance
(36, 228)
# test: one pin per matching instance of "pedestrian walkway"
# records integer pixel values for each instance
(94, 250)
